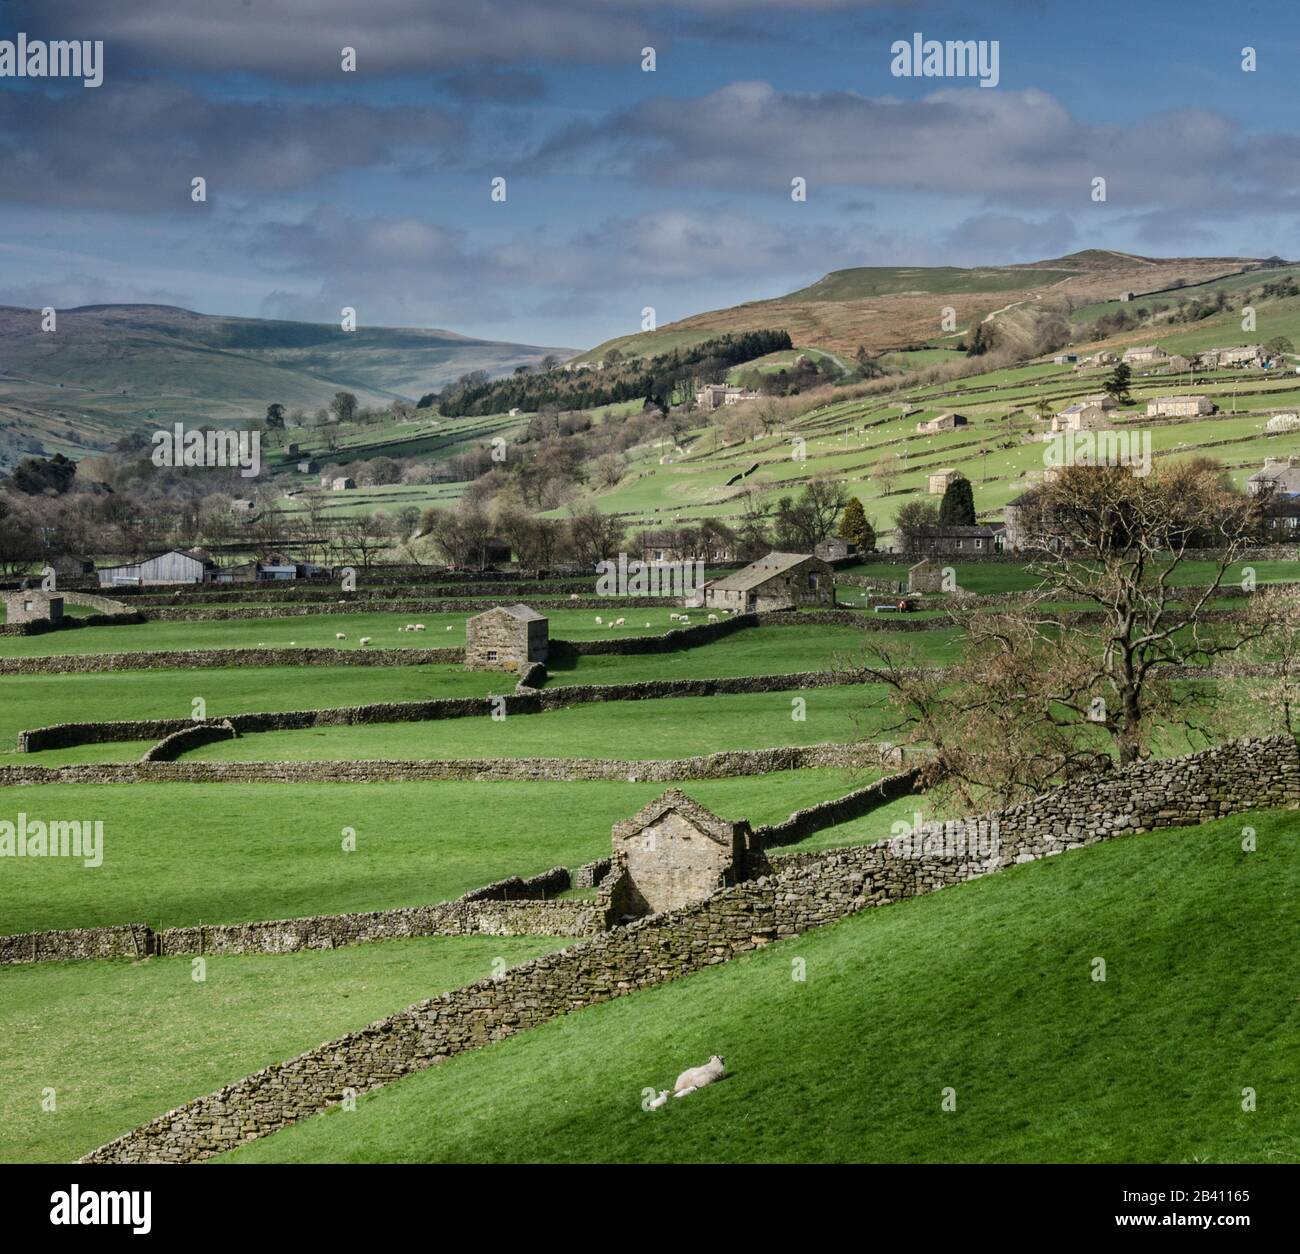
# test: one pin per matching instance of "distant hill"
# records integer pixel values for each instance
(109, 369)
(891, 307)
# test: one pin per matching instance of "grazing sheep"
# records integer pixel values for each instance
(713, 618)
(573, 596)
(618, 622)
(600, 622)
(647, 624)
(698, 1077)
(419, 626)
(364, 640)
(655, 1103)
(448, 626)
(340, 635)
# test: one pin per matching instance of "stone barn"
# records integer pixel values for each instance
(675, 852)
(506, 638)
(779, 581)
(32, 606)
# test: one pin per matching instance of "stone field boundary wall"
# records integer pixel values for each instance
(524, 700)
(231, 613)
(728, 764)
(510, 907)
(804, 893)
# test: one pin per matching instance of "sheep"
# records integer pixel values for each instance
(599, 621)
(340, 635)
(655, 1103)
(573, 596)
(647, 624)
(448, 626)
(713, 618)
(419, 626)
(364, 640)
(618, 622)
(698, 1077)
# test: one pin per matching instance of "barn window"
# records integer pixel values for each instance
(491, 655)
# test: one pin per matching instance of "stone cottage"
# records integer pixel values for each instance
(506, 638)
(779, 581)
(674, 852)
(32, 606)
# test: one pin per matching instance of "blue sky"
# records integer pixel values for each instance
(624, 188)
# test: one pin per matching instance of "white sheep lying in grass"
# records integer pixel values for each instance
(600, 622)
(618, 622)
(340, 635)
(698, 1077)
(656, 1102)
(448, 626)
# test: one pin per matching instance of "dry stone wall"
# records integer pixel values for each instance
(725, 765)
(799, 894)
(511, 907)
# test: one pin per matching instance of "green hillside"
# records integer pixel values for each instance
(986, 989)
(108, 369)
(862, 282)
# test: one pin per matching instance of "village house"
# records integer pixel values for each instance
(174, 566)
(1104, 358)
(966, 541)
(659, 548)
(715, 395)
(1143, 353)
(940, 479)
(30, 605)
(944, 422)
(1090, 414)
(506, 638)
(1280, 477)
(1031, 526)
(1175, 364)
(1245, 355)
(1179, 406)
(779, 581)
(674, 852)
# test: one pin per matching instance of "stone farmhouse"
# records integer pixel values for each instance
(966, 541)
(32, 606)
(944, 422)
(660, 547)
(174, 566)
(779, 581)
(1090, 414)
(506, 638)
(1179, 406)
(1143, 353)
(1279, 478)
(675, 852)
(940, 479)
(1244, 355)
(715, 395)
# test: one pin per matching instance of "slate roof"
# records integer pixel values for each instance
(759, 572)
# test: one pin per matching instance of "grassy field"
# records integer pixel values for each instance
(985, 989)
(672, 727)
(160, 1037)
(178, 854)
(38, 700)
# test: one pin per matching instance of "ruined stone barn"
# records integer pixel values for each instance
(32, 606)
(506, 638)
(779, 581)
(675, 852)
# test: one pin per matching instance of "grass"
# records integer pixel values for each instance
(985, 989)
(176, 854)
(670, 727)
(161, 1038)
(39, 700)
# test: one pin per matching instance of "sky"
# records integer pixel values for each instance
(624, 188)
